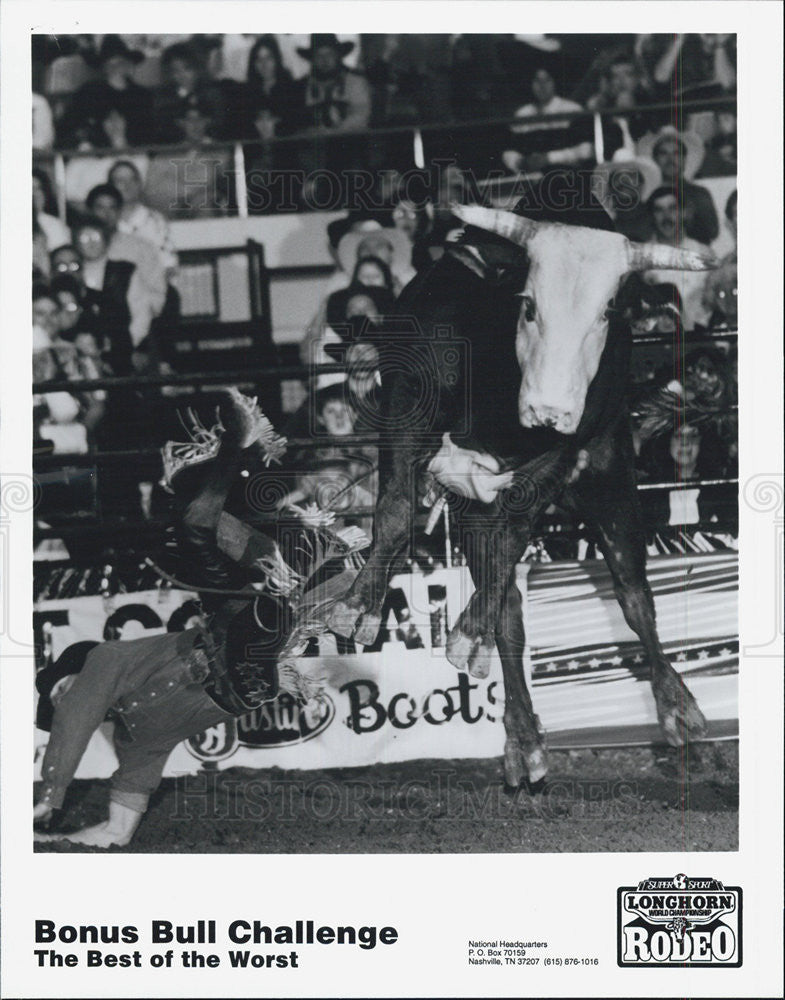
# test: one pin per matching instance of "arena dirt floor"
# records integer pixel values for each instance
(623, 799)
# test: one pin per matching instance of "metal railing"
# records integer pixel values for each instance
(417, 131)
(247, 376)
(201, 381)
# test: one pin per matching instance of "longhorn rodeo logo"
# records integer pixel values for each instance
(679, 921)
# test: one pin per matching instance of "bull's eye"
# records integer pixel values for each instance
(527, 306)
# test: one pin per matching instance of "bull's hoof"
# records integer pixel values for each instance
(514, 766)
(680, 718)
(521, 763)
(459, 647)
(342, 617)
(537, 764)
(367, 629)
(480, 660)
(467, 653)
(683, 724)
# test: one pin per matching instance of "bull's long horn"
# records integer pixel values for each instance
(495, 220)
(660, 256)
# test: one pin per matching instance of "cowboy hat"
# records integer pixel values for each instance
(326, 41)
(622, 160)
(113, 46)
(361, 220)
(354, 246)
(693, 147)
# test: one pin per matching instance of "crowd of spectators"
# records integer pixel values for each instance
(198, 90)
(251, 86)
(105, 271)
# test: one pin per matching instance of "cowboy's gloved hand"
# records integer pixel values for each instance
(469, 473)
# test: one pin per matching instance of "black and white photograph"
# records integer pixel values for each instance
(403, 407)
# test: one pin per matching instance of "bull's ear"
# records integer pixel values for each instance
(661, 257)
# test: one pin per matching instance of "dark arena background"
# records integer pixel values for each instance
(237, 210)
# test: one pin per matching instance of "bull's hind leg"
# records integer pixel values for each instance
(615, 514)
(525, 752)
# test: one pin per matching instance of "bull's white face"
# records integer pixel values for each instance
(562, 326)
(574, 272)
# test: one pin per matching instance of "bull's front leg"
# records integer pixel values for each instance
(497, 549)
(525, 754)
(502, 532)
(358, 614)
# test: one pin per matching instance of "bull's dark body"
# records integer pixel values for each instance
(482, 315)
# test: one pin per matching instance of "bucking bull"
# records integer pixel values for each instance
(532, 413)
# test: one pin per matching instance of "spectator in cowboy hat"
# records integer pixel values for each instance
(679, 156)
(389, 245)
(359, 220)
(116, 90)
(623, 186)
(334, 98)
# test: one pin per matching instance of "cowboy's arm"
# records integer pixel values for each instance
(139, 771)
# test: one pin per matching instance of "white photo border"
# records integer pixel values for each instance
(437, 903)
